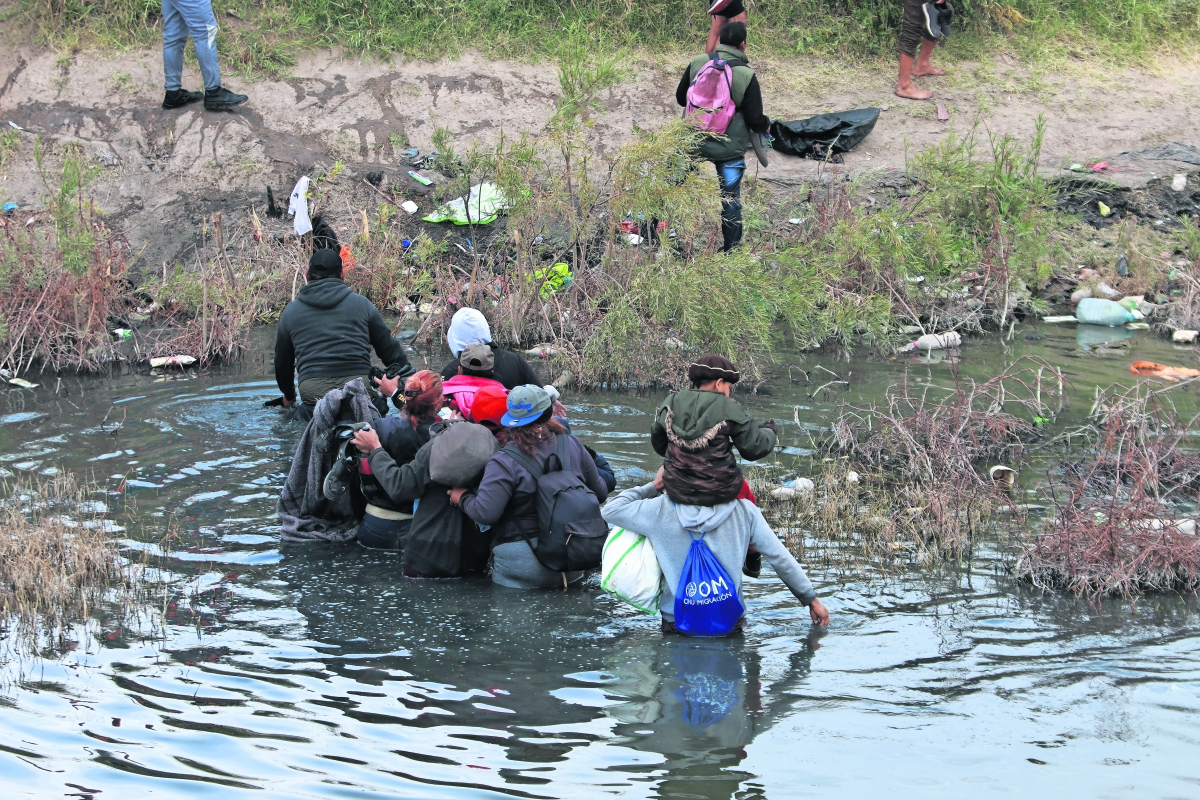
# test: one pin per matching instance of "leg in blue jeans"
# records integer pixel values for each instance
(383, 534)
(182, 18)
(729, 175)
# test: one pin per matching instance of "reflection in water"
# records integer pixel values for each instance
(317, 671)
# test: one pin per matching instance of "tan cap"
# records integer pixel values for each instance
(477, 358)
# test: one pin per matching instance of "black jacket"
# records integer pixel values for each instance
(511, 369)
(328, 332)
(442, 541)
(401, 441)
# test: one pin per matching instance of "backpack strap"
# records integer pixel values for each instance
(563, 452)
(535, 469)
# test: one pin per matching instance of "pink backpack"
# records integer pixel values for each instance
(710, 96)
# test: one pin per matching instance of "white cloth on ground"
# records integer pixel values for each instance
(298, 205)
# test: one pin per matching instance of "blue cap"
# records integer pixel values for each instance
(525, 405)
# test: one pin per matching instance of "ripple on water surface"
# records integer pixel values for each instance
(317, 671)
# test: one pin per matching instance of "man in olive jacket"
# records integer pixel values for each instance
(728, 153)
(327, 332)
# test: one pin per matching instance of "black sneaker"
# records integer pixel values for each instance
(221, 99)
(933, 28)
(945, 17)
(337, 482)
(178, 98)
(753, 566)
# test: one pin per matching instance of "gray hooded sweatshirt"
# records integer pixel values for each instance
(728, 528)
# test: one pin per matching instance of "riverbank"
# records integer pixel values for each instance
(168, 209)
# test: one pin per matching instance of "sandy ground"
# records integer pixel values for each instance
(165, 171)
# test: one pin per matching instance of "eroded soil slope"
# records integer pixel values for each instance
(165, 171)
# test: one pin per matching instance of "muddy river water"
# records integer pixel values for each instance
(317, 671)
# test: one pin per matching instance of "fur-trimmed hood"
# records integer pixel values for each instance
(694, 417)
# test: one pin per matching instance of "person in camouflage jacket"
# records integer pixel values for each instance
(696, 430)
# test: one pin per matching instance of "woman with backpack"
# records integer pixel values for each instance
(538, 448)
(701, 550)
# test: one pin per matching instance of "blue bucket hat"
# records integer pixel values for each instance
(525, 405)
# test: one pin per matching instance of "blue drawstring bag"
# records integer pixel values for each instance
(706, 602)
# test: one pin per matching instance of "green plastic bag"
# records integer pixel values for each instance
(552, 278)
(486, 202)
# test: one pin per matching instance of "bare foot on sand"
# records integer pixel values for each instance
(912, 92)
(919, 71)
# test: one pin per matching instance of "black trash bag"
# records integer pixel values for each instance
(824, 134)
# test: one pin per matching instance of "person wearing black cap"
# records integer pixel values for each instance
(327, 332)
(696, 430)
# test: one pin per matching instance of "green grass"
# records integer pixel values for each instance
(265, 37)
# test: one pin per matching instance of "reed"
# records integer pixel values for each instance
(58, 561)
(1123, 522)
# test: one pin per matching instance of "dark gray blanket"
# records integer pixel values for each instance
(304, 512)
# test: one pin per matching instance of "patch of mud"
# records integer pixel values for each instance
(166, 171)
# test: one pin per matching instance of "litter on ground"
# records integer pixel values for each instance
(486, 201)
(1153, 370)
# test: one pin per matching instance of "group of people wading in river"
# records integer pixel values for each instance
(478, 472)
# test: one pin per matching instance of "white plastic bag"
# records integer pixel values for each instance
(630, 570)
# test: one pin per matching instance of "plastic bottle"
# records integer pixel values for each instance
(1094, 311)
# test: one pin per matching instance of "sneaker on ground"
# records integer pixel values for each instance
(221, 99)
(933, 29)
(178, 98)
(718, 6)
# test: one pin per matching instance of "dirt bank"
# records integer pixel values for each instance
(166, 170)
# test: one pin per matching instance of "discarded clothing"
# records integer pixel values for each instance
(298, 205)
(552, 278)
(304, 512)
(1172, 151)
(1151, 369)
(837, 133)
(486, 201)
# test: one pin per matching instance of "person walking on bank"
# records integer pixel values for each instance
(721, 12)
(326, 334)
(923, 25)
(195, 18)
(726, 148)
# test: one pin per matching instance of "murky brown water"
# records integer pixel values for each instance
(317, 671)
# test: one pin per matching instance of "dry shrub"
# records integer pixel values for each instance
(1118, 528)
(1183, 313)
(56, 560)
(58, 291)
(922, 492)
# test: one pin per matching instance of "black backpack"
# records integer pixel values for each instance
(572, 532)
